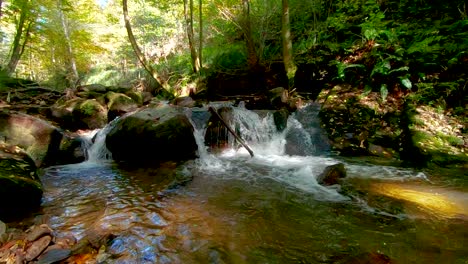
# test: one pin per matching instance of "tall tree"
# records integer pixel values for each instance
(200, 33)
(252, 58)
(188, 13)
(23, 27)
(141, 57)
(286, 40)
(74, 76)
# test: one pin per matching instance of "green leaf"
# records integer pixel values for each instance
(407, 83)
(383, 92)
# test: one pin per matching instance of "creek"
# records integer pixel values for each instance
(231, 208)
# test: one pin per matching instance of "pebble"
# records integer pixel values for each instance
(38, 247)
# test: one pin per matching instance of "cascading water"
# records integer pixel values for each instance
(94, 144)
(227, 212)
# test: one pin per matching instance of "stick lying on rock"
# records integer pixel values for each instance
(238, 138)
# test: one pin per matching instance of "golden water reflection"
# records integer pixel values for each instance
(437, 201)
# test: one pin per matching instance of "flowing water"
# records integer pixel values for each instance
(266, 209)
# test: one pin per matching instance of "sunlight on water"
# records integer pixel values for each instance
(265, 209)
(438, 201)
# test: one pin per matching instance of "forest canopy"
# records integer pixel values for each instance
(386, 46)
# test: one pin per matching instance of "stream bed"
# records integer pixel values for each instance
(245, 211)
(231, 208)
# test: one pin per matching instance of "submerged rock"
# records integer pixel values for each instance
(157, 133)
(20, 188)
(332, 174)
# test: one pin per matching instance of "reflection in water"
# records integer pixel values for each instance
(250, 213)
(267, 209)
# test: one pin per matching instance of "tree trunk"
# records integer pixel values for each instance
(141, 57)
(252, 58)
(74, 76)
(200, 45)
(17, 48)
(287, 42)
(188, 13)
(1, 5)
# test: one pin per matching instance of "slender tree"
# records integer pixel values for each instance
(252, 58)
(23, 28)
(74, 76)
(141, 57)
(200, 33)
(286, 40)
(188, 13)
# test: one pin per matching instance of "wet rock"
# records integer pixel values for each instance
(281, 119)
(38, 231)
(37, 247)
(54, 256)
(184, 101)
(71, 150)
(119, 104)
(158, 133)
(37, 137)
(332, 174)
(20, 188)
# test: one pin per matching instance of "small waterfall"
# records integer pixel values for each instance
(199, 118)
(303, 135)
(95, 144)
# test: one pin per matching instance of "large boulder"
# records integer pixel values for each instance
(156, 133)
(20, 188)
(37, 137)
(119, 104)
(44, 143)
(90, 114)
(79, 113)
(62, 111)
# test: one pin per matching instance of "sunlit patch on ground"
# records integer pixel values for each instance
(443, 203)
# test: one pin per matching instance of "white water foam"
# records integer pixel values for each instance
(270, 162)
(95, 144)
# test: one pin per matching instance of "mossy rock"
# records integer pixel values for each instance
(119, 104)
(90, 114)
(62, 111)
(159, 133)
(138, 97)
(20, 188)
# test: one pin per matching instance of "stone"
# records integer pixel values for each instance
(38, 231)
(38, 138)
(158, 133)
(37, 247)
(20, 188)
(62, 112)
(119, 104)
(332, 174)
(281, 119)
(54, 256)
(90, 114)
(184, 101)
